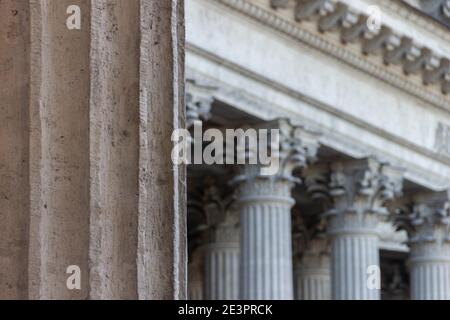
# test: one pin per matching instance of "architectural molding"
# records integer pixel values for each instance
(436, 9)
(199, 98)
(361, 189)
(297, 32)
(341, 143)
(427, 218)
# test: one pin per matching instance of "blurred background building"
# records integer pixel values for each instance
(360, 91)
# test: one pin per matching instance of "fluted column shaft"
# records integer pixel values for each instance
(266, 244)
(430, 259)
(360, 191)
(222, 251)
(222, 271)
(352, 253)
(430, 279)
(86, 173)
(265, 202)
(314, 284)
(313, 278)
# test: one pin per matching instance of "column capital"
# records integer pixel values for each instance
(317, 180)
(199, 98)
(298, 145)
(427, 220)
(221, 214)
(360, 191)
(317, 249)
(294, 148)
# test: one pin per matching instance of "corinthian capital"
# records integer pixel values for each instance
(430, 218)
(361, 190)
(297, 146)
(285, 148)
(199, 98)
(364, 185)
(317, 179)
(221, 214)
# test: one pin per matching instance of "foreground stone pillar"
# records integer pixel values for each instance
(86, 176)
(359, 190)
(430, 248)
(265, 204)
(313, 272)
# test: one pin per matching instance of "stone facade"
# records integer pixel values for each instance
(353, 96)
(358, 209)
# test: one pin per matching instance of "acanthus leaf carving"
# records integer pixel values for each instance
(199, 98)
(361, 190)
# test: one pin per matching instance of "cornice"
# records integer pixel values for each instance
(401, 9)
(295, 30)
(343, 143)
(438, 10)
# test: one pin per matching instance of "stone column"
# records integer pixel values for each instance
(86, 177)
(313, 272)
(222, 249)
(222, 263)
(196, 275)
(430, 247)
(359, 190)
(265, 203)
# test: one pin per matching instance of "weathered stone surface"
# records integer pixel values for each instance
(86, 176)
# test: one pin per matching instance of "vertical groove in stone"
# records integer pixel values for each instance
(14, 147)
(266, 259)
(221, 277)
(59, 150)
(114, 148)
(162, 212)
(430, 280)
(94, 185)
(351, 255)
(313, 279)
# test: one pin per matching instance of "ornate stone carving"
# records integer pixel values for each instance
(438, 9)
(221, 216)
(427, 219)
(316, 180)
(430, 221)
(362, 187)
(354, 29)
(313, 270)
(439, 73)
(199, 98)
(398, 54)
(359, 190)
(265, 204)
(305, 9)
(419, 63)
(296, 149)
(334, 19)
(222, 251)
(378, 42)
